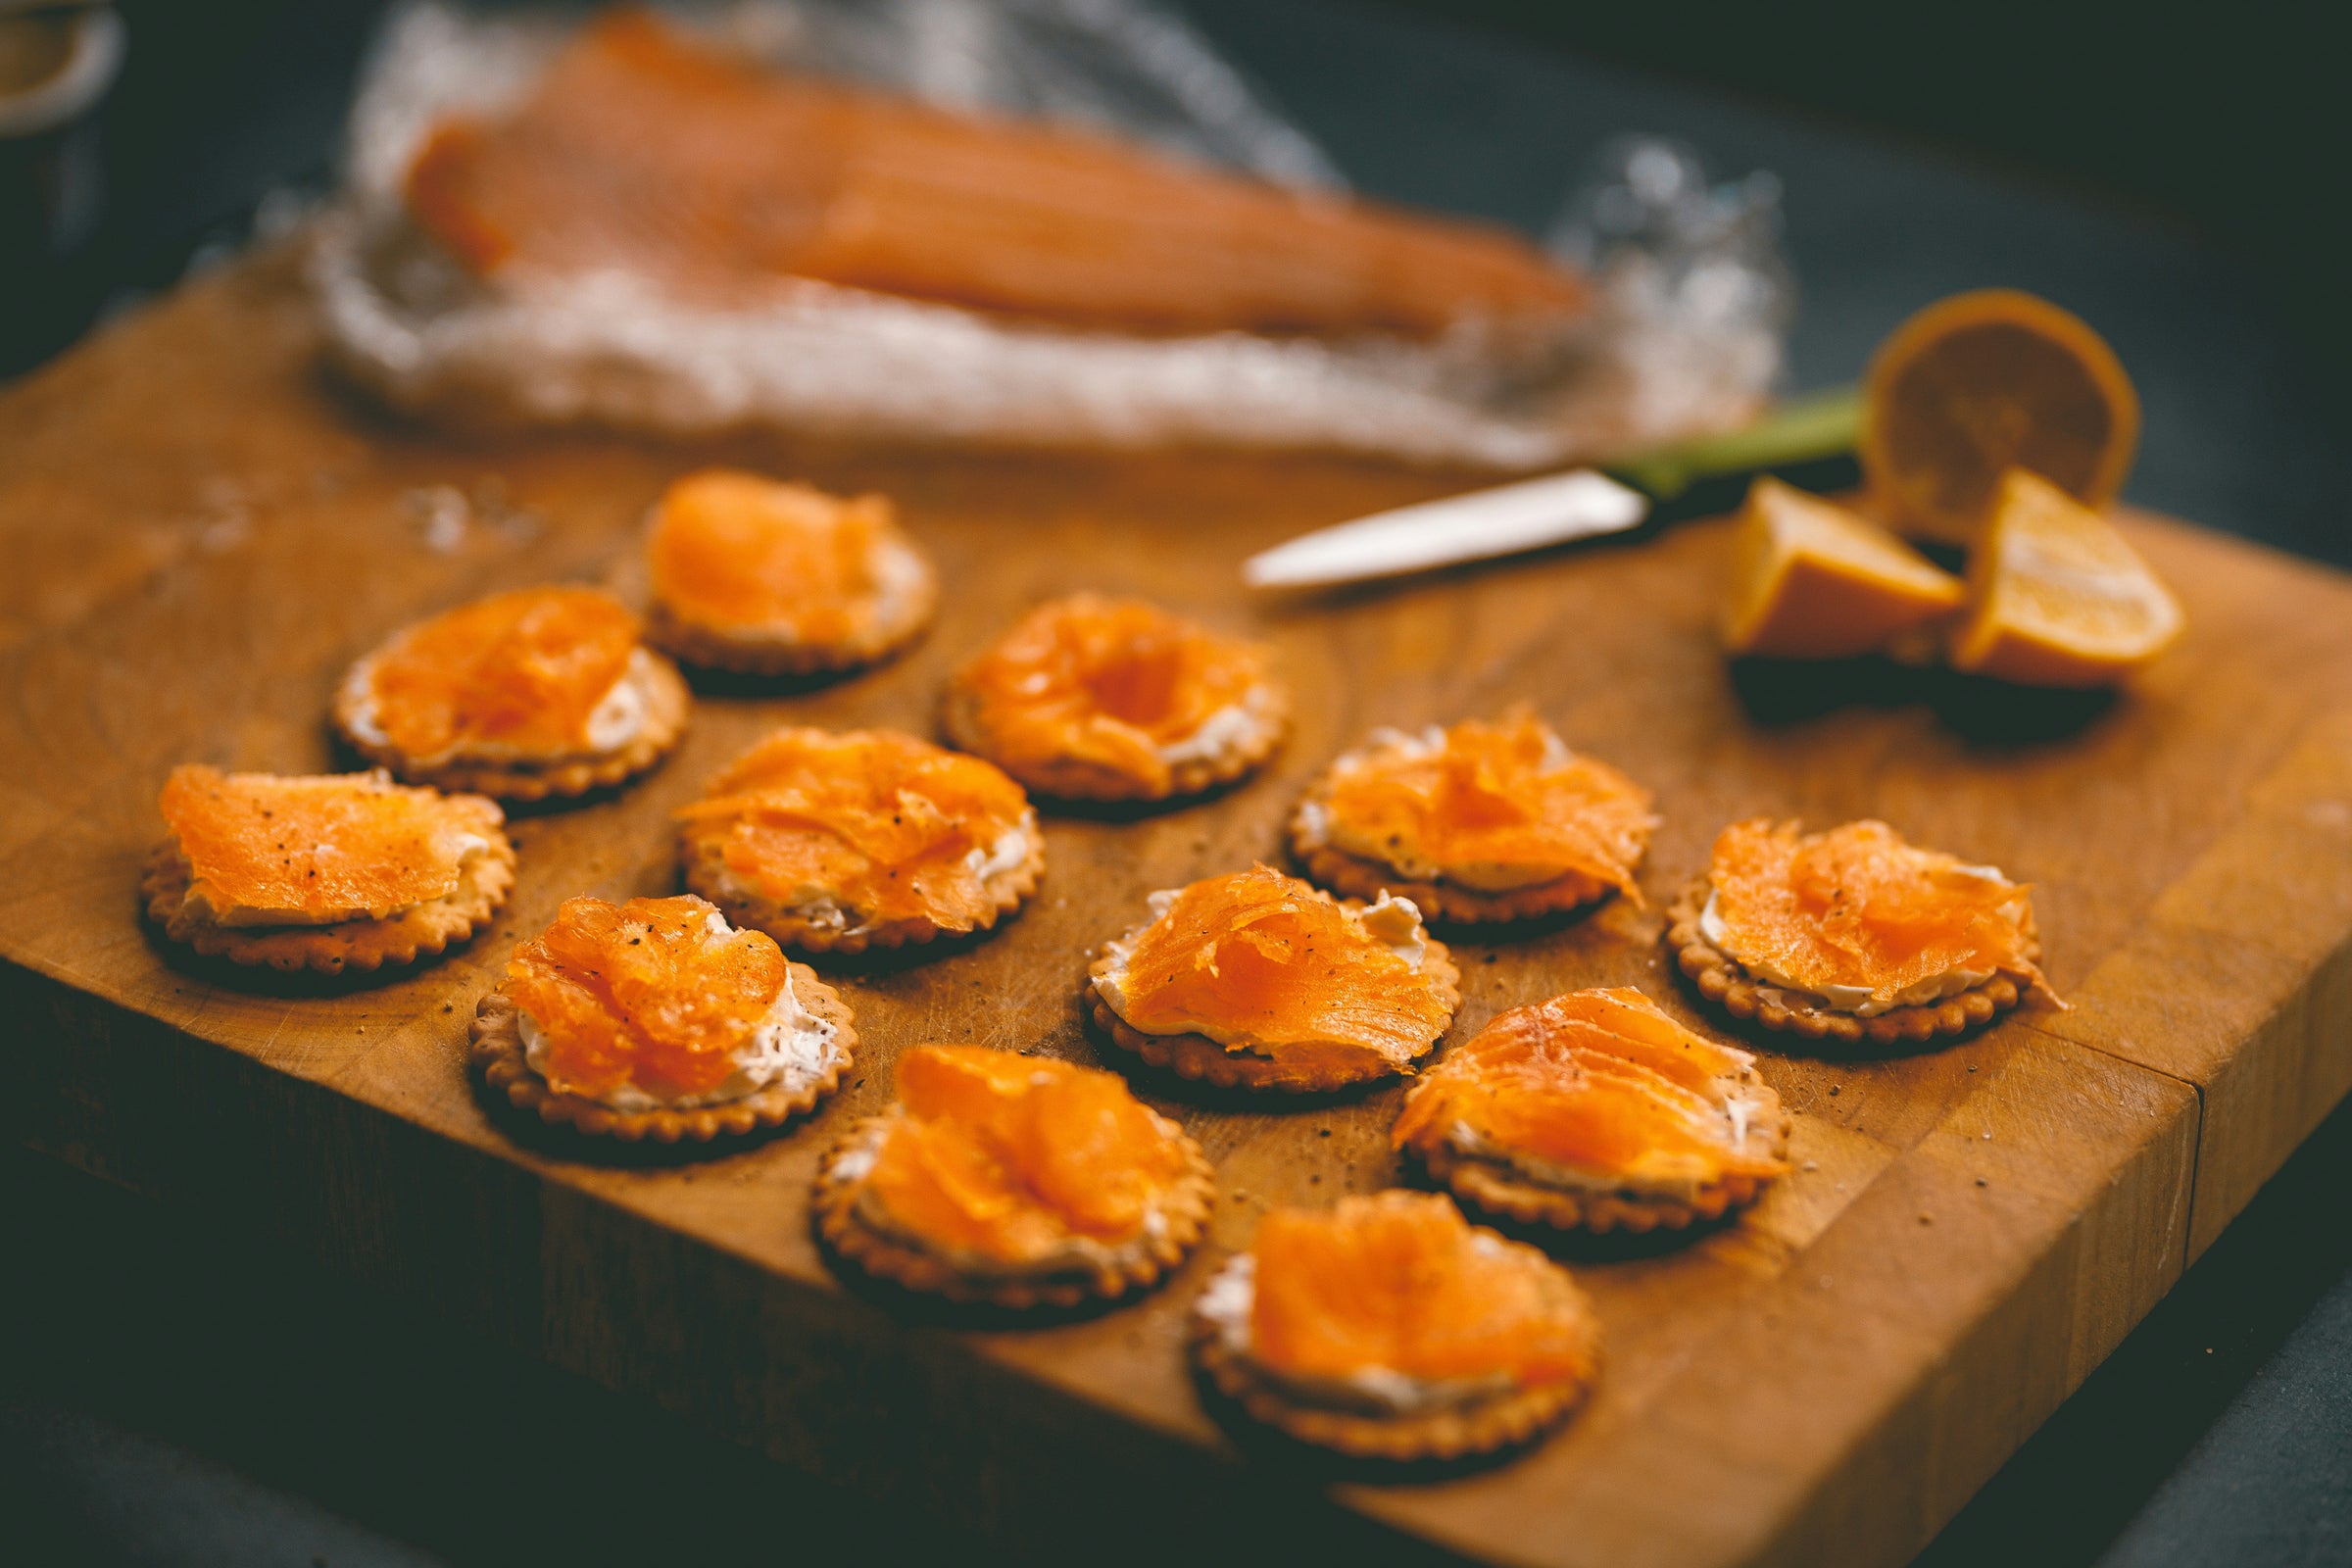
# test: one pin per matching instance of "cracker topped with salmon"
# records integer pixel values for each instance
(1012, 1180)
(1475, 822)
(1258, 980)
(1096, 699)
(1387, 1327)
(528, 695)
(1854, 936)
(1596, 1109)
(840, 841)
(657, 1019)
(328, 873)
(767, 578)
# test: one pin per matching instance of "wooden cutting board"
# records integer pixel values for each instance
(201, 529)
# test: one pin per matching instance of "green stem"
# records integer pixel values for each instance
(1818, 424)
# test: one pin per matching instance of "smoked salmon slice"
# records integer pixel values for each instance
(1858, 908)
(267, 850)
(1604, 1085)
(517, 673)
(1401, 1282)
(1117, 686)
(643, 151)
(1493, 806)
(888, 827)
(1010, 1158)
(736, 549)
(1262, 961)
(655, 993)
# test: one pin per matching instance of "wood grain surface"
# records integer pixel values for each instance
(201, 529)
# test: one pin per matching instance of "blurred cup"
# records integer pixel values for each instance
(57, 62)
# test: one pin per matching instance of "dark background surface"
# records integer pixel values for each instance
(171, 1394)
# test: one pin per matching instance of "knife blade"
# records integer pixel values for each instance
(1531, 513)
(1504, 520)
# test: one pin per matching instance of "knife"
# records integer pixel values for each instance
(1531, 513)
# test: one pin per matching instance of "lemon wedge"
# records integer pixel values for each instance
(2057, 596)
(1812, 580)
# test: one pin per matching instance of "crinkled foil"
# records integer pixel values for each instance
(1685, 337)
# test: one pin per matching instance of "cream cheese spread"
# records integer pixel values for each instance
(1010, 853)
(901, 576)
(1245, 725)
(619, 714)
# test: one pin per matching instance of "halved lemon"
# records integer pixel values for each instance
(1983, 382)
(2057, 597)
(1812, 580)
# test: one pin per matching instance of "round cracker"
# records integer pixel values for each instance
(1199, 1058)
(884, 630)
(666, 706)
(834, 1207)
(1356, 876)
(1724, 981)
(1453, 1432)
(497, 1050)
(410, 937)
(1079, 779)
(705, 874)
(1497, 1190)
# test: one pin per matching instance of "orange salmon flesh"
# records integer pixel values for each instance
(880, 821)
(1857, 906)
(654, 992)
(1504, 796)
(1400, 1281)
(1107, 681)
(318, 848)
(1012, 1158)
(1602, 1082)
(1265, 955)
(644, 151)
(735, 550)
(522, 671)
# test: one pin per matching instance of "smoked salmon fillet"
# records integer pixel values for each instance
(645, 152)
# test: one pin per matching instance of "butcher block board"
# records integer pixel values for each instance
(202, 527)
